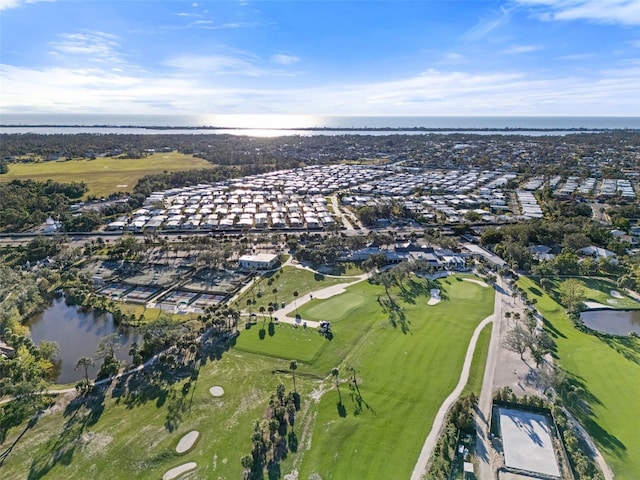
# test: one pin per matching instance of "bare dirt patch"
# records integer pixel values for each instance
(94, 443)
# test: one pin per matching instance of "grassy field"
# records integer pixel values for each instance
(291, 279)
(134, 436)
(378, 432)
(378, 429)
(104, 176)
(608, 371)
(282, 341)
(478, 364)
(598, 290)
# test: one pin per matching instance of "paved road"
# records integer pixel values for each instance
(434, 434)
(483, 411)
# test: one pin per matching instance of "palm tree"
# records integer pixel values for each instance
(293, 366)
(85, 363)
(295, 298)
(275, 295)
(335, 372)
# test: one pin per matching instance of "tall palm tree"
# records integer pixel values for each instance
(85, 363)
(334, 373)
(295, 300)
(293, 366)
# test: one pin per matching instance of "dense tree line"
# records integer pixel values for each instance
(273, 437)
(164, 181)
(26, 203)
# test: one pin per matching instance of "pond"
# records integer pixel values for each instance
(77, 333)
(615, 322)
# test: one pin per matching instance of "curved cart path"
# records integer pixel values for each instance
(434, 434)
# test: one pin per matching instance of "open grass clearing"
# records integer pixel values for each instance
(607, 370)
(402, 378)
(107, 175)
(378, 429)
(598, 290)
(281, 340)
(136, 436)
(479, 362)
(286, 280)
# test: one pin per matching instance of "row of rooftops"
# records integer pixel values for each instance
(405, 181)
(607, 187)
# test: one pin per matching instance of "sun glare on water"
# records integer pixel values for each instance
(261, 122)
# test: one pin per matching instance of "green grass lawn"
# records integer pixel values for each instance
(402, 379)
(478, 364)
(291, 279)
(598, 290)
(123, 438)
(104, 176)
(608, 369)
(281, 340)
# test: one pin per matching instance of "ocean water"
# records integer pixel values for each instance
(273, 125)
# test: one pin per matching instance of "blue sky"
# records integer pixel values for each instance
(449, 57)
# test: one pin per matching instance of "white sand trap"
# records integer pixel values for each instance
(616, 294)
(177, 471)
(473, 280)
(216, 391)
(187, 441)
(435, 296)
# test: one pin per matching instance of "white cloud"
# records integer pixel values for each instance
(283, 59)
(96, 47)
(237, 64)
(487, 25)
(434, 92)
(517, 49)
(577, 56)
(7, 4)
(625, 12)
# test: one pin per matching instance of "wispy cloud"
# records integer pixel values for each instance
(282, 59)
(487, 25)
(7, 4)
(625, 12)
(577, 56)
(518, 49)
(431, 93)
(244, 65)
(96, 47)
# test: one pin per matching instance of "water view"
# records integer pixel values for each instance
(77, 333)
(615, 322)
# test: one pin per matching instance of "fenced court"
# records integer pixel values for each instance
(156, 275)
(141, 294)
(178, 297)
(218, 281)
(206, 299)
(114, 290)
(528, 446)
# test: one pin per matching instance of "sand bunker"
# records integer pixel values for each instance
(177, 471)
(616, 294)
(435, 296)
(187, 441)
(216, 391)
(473, 280)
